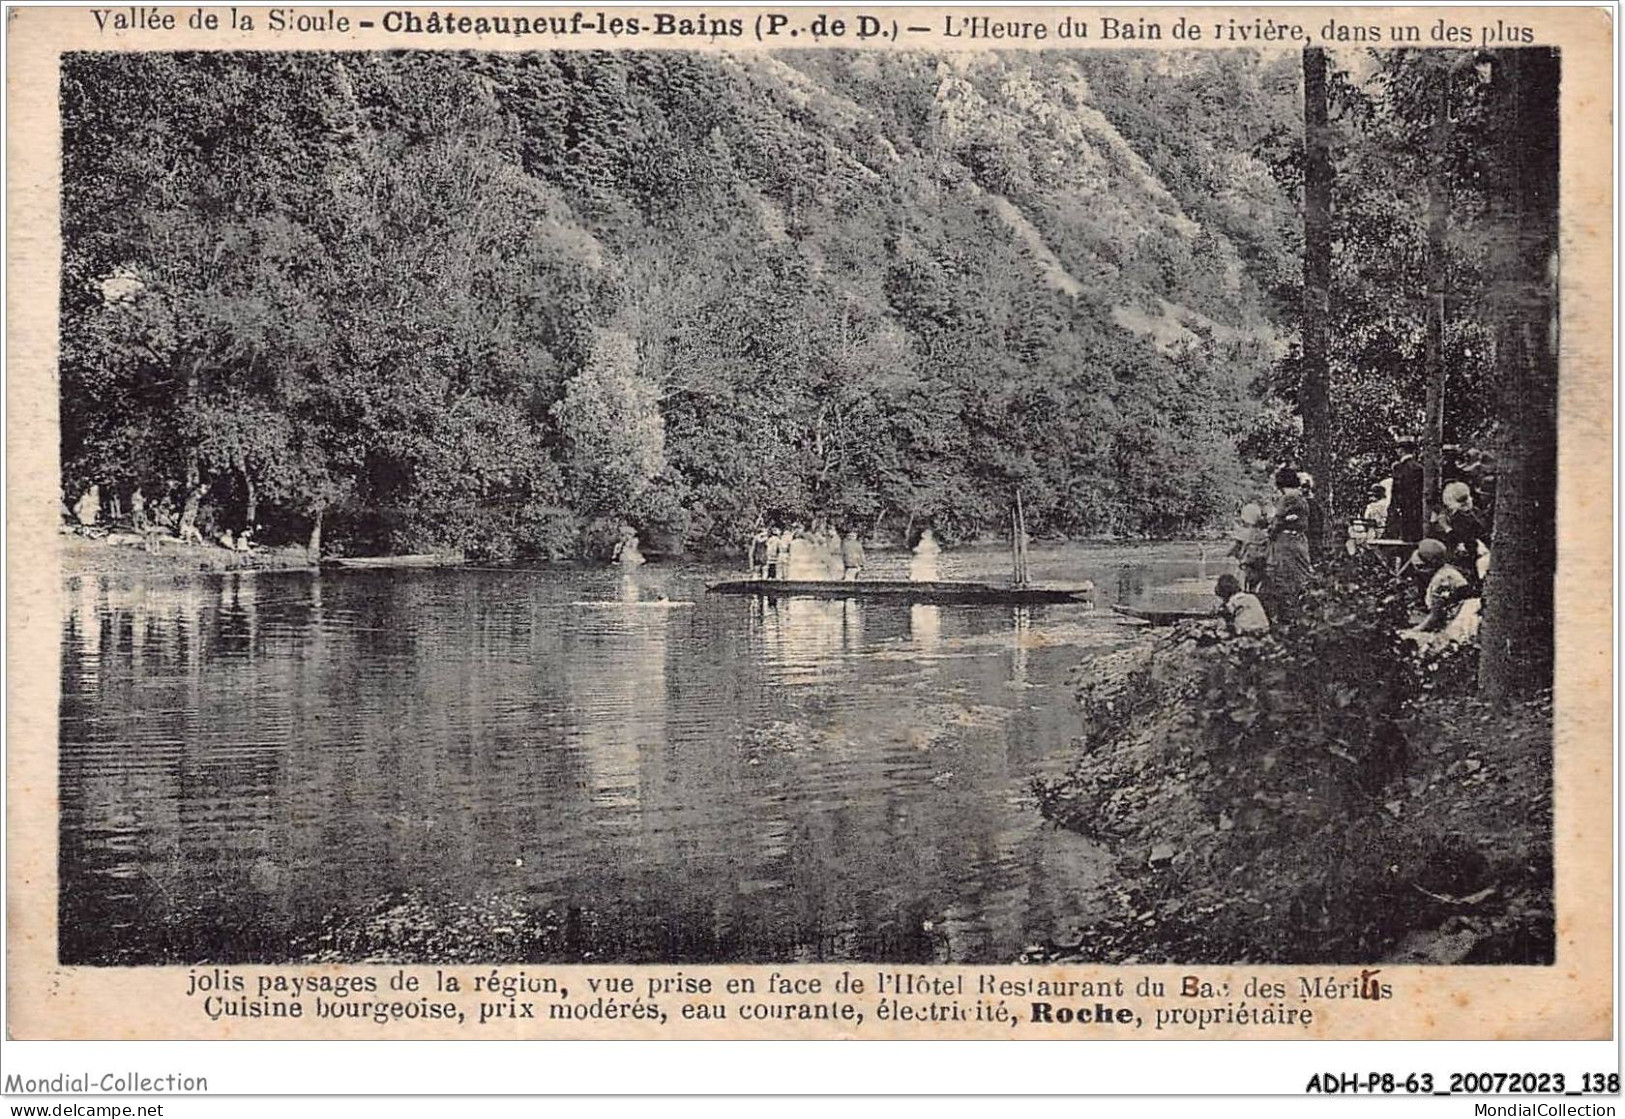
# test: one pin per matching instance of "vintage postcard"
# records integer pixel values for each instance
(974, 523)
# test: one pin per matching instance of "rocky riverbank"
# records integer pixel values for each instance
(1317, 795)
(110, 555)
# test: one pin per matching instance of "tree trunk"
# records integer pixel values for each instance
(193, 472)
(1516, 636)
(313, 547)
(1314, 403)
(1438, 228)
(251, 501)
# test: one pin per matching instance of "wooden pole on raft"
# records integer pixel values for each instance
(1015, 550)
(1026, 572)
(1019, 541)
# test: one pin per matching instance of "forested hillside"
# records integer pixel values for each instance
(492, 301)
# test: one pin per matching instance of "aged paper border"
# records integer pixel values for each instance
(1572, 999)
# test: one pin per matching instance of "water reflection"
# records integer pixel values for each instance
(925, 626)
(1020, 648)
(246, 758)
(804, 638)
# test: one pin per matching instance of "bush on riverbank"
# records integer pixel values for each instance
(1315, 795)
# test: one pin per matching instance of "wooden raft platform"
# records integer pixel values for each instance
(1158, 617)
(902, 590)
(422, 559)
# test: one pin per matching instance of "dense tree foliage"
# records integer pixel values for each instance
(375, 291)
(1399, 177)
(480, 300)
(1442, 305)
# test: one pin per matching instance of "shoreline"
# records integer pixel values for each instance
(80, 556)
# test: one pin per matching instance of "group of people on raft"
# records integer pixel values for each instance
(802, 552)
(821, 553)
(1274, 545)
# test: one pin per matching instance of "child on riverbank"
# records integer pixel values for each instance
(1243, 613)
(1250, 546)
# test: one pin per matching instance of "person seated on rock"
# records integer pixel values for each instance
(1452, 601)
(1244, 614)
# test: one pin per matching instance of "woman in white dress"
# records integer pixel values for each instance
(922, 566)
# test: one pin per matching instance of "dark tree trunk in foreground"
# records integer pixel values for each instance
(1517, 627)
(1314, 403)
(1438, 228)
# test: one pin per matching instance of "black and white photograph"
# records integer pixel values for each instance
(1045, 506)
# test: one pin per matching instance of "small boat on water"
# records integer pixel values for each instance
(1160, 617)
(938, 592)
(421, 559)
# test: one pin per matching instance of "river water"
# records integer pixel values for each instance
(252, 764)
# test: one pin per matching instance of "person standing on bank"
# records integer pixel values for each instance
(1405, 498)
(1463, 531)
(1376, 509)
(1289, 565)
(1317, 515)
(1250, 547)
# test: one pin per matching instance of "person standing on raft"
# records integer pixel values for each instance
(778, 554)
(851, 556)
(922, 566)
(756, 553)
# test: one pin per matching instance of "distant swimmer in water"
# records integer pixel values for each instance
(922, 566)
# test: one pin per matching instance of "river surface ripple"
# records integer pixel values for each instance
(246, 758)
